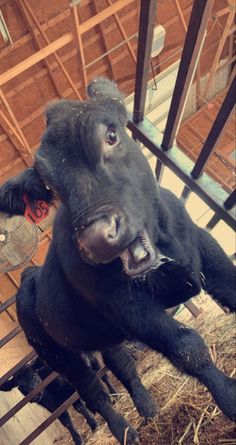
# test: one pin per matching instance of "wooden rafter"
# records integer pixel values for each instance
(180, 14)
(121, 28)
(37, 42)
(218, 52)
(24, 149)
(103, 15)
(100, 25)
(78, 38)
(35, 58)
(55, 55)
(14, 137)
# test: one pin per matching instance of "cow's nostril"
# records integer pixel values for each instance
(113, 227)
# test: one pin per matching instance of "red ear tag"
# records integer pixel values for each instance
(37, 213)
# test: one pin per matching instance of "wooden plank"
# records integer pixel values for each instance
(103, 15)
(180, 14)
(57, 58)
(35, 58)
(22, 7)
(78, 38)
(25, 151)
(218, 52)
(121, 28)
(107, 49)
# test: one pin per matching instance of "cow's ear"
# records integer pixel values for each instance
(102, 89)
(26, 186)
(106, 88)
(8, 385)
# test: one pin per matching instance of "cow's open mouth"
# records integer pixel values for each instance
(140, 257)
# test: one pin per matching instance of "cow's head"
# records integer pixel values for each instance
(25, 379)
(87, 159)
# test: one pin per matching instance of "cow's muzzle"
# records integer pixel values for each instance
(101, 240)
(109, 238)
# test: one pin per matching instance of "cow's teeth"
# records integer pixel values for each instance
(138, 251)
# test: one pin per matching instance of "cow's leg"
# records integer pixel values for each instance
(96, 367)
(145, 320)
(81, 408)
(67, 422)
(75, 369)
(219, 273)
(120, 362)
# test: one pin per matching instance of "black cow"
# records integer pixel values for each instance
(123, 251)
(52, 396)
(55, 393)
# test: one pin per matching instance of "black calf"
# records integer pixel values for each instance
(123, 250)
(53, 395)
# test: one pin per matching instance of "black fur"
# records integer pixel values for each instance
(53, 395)
(83, 298)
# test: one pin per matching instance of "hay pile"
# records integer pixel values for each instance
(188, 415)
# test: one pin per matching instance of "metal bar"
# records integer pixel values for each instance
(28, 398)
(159, 170)
(10, 336)
(147, 19)
(63, 407)
(7, 303)
(212, 223)
(205, 187)
(185, 193)
(15, 368)
(230, 201)
(216, 131)
(194, 40)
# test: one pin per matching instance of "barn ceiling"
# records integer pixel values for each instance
(50, 50)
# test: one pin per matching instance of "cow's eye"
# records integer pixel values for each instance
(112, 138)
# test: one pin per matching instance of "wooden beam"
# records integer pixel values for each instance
(78, 38)
(107, 49)
(25, 148)
(55, 55)
(218, 52)
(193, 44)
(13, 136)
(121, 28)
(35, 58)
(181, 16)
(103, 15)
(25, 14)
(216, 131)
(221, 13)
